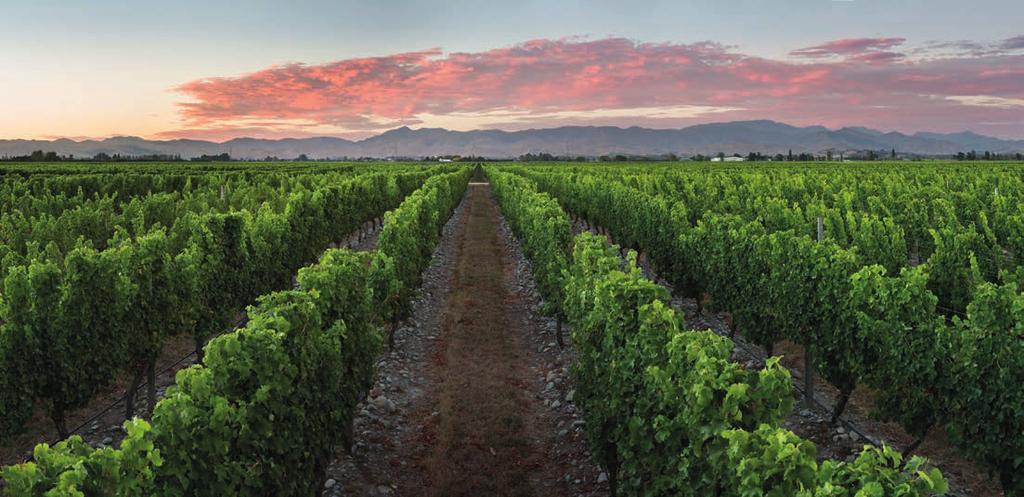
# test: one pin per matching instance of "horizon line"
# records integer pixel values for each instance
(80, 139)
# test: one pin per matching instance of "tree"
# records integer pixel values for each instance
(224, 157)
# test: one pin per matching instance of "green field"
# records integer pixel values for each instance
(904, 278)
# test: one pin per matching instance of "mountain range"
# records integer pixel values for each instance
(763, 136)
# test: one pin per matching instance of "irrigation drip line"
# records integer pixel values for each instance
(847, 423)
(238, 324)
(952, 311)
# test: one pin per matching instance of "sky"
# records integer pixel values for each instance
(223, 69)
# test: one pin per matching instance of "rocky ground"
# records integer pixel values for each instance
(475, 399)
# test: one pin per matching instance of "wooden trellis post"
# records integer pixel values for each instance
(808, 362)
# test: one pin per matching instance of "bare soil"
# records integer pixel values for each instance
(482, 404)
(475, 399)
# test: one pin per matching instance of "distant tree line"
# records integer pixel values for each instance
(41, 156)
(864, 155)
(102, 157)
(973, 155)
(224, 157)
(546, 157)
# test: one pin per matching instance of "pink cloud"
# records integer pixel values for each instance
(272, 131)
(850, 47)
(856, 81)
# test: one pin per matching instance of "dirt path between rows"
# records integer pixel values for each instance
(476, 398)
(482, 427)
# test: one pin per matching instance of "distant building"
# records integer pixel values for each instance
(728, 159)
